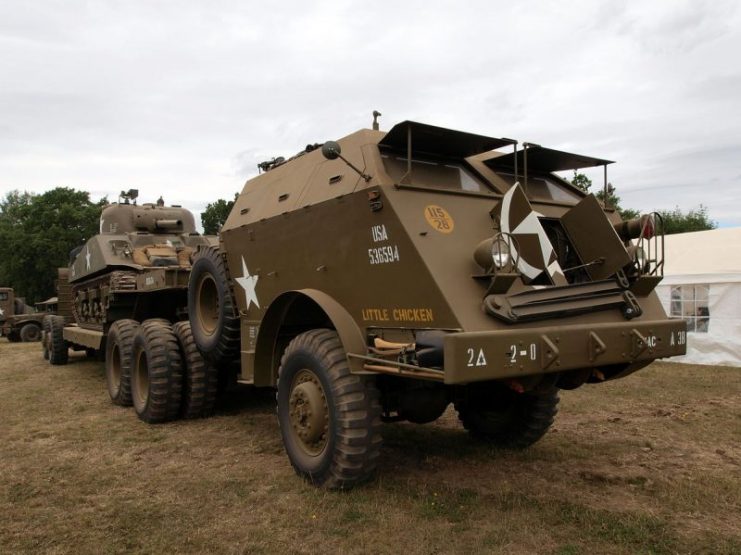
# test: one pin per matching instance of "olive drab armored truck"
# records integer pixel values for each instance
(390, 274)
(126, 292)
(18, 321)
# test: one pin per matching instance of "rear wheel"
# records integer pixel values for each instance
(119, 358)
(200, 379)
(212, 310)
(156, 377)
(329, 418)
(58, 348)
(495, 413)
(30, 332)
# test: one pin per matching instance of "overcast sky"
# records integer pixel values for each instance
(183, 99)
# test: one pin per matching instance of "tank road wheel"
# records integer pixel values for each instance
(329, 418)
(156, 374)
(200, 379)
(119, 358)
(46, 336)
(58, 349)
(496, 414)
(30, 332)
(211, 308)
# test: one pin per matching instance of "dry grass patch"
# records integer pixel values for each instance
(649, 464)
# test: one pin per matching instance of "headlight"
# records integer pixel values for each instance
(500, 253)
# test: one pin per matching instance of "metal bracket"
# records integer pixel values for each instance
(638, 343)
(596, 346)
(549, 353)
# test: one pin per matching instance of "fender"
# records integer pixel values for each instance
(302, 310)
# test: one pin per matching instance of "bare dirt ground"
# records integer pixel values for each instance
(648, 464)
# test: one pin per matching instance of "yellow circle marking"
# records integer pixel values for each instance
(439, 218)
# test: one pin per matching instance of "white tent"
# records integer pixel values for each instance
(702, 284)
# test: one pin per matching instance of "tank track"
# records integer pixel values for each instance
(91, 302)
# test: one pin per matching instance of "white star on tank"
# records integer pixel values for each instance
(248, 283)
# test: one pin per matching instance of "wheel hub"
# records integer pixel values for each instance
(309, 412)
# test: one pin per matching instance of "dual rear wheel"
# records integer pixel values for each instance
(155, 367)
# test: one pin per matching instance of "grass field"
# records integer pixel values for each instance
(648, 464)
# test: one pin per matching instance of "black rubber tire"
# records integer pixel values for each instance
(496, 414)
(30, 332)
(200, 379)
(58, 348)
(212, 310)
(46, 336)
(156, 373)
(119, 359)
(346, 453)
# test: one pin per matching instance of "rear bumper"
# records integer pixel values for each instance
(480, 356)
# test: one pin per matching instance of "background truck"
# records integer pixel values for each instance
(123, 298)
(20, 322)
(392, 274)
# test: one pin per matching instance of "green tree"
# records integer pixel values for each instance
(583, 182)
(696, 219)
(215, 214)
(37, 233)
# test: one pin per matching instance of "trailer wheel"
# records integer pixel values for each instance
(30, 332)
(46, 336)
(156, 376)
(329, 418)
(58, 348)
(212, 310)
(495, 413)
(200, 379)
(119, 358)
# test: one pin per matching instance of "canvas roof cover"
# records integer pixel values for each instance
(714, 254)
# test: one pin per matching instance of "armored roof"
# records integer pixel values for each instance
(439, 141)
(545, 160)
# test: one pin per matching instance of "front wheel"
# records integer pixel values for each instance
(329, 418)
(495, 413)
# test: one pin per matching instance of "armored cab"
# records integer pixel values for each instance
(390, 274)
(124, 298)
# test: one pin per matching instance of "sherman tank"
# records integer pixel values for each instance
(137, 267)
(124, 298)
(389, 275)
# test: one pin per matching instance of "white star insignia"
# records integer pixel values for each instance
(87, 259)
(248, 283)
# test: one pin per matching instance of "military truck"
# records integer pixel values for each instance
(18, 321)
(124, 297)
(389, 275)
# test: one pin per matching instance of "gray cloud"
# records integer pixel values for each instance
(183, 100)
